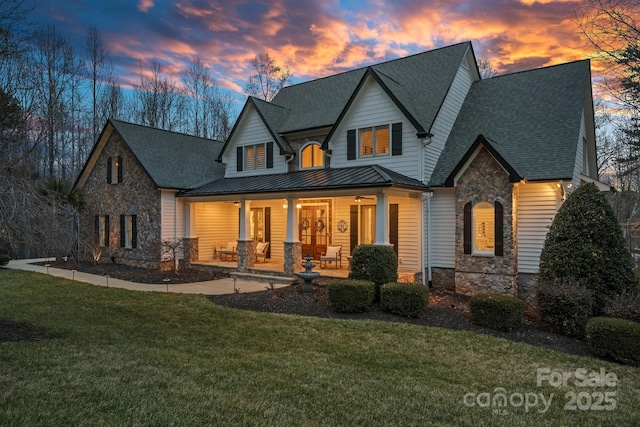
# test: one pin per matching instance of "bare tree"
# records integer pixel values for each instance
(100, 72)
(268, 79)
(158, 100)
(486, 69)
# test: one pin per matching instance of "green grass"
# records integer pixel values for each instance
(139, 358)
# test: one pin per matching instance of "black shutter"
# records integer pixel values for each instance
(107, 240)
(97, 230)
(269, 155)
(119, 168)
(393, 226)
(353, 227)
(396, 139)
(109, 171)
(467, 225)
(239, 155)
(267, 228)
(351, 144)
(123, 237)
(499, 228)
(134, 231)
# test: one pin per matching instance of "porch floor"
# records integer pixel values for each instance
(277, 268)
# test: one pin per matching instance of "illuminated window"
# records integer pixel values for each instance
(114, 170)
(374, 141)
(128, 231)
(368, 224)
(483, 228)
(102, 230)
(311, 156)
(255, 156)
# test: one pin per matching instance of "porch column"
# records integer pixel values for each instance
(246, 256)
(382, 219)
(190, 244)
(292, 246)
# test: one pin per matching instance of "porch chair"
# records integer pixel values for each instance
(333, 254)
(261, 251)
(231, 250)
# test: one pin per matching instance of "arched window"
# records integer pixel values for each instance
(483, 228)
(311, 156)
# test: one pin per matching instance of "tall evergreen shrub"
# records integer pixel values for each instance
(585, 244)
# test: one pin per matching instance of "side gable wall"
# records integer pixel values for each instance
(447, 115)
(135, 195)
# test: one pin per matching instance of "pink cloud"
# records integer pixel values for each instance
(145, 5)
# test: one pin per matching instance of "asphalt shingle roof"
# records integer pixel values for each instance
(532, 118)
(317, 179)
(172, 160)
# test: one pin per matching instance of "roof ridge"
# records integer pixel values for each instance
(163, 130)
(382, 171)
(546, 67)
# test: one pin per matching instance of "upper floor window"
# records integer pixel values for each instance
(311, 156)
(114, 170)
(374, 141)
(484, 228)
(255, 156)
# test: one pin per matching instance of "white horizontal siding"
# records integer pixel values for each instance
(251, 130)
(446, 118)
(216, 224)
(443, 228)
(373, 107)
(409, 232)
(168, 215)
(537, 206)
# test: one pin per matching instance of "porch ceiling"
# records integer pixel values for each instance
(309, 181)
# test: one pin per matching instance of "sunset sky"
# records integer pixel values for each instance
(316, 38)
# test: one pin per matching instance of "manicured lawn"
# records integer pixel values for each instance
(139, 358)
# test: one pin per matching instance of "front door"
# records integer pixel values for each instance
(312, 222)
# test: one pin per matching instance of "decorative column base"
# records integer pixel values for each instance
(292, 258)
(190, 251)
(246, 255)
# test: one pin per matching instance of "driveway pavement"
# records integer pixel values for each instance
(210, 287)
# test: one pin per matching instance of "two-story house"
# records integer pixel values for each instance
(461, 175)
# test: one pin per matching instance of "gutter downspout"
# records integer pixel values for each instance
(426, 270)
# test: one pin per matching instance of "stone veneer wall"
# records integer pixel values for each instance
(297, 143)
(485, 181)
(135, 195)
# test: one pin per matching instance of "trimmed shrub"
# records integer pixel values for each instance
(405, 299)
(4, 259)
(501, 312)
(585, 243)
(617, 338)
(351, 296)
(625, 306)
(374, 263)
(566, 306)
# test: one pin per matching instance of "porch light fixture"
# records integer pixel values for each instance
(358, 199)
(299, 205)
(236, 204)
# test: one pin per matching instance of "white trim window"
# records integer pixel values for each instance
(374, 141)
(255, 156)
(311, 156)
(483, 228)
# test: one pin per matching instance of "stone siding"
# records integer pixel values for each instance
(297, 143)
(135, 195)
(486, 181)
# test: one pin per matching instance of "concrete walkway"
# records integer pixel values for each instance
(210, 287)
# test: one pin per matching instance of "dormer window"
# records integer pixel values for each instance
(374, 141)
(311, 156)
(114, 170)
(255, 156)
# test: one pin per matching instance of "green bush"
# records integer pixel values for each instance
(624, 306)
(374, 263)
(618, 338)
(585, 243)
(351, 296)
(4, 259)
(566, 306)
(501, 312)
(405, 299)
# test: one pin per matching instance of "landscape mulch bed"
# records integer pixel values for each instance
(445, 309)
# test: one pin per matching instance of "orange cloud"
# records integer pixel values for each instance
(145, 5)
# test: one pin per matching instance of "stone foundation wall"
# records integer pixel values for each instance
(292, 258)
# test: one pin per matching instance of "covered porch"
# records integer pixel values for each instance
(230, 221)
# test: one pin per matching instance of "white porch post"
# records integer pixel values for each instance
(245, 220)
(382, 219)
(292, 220)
